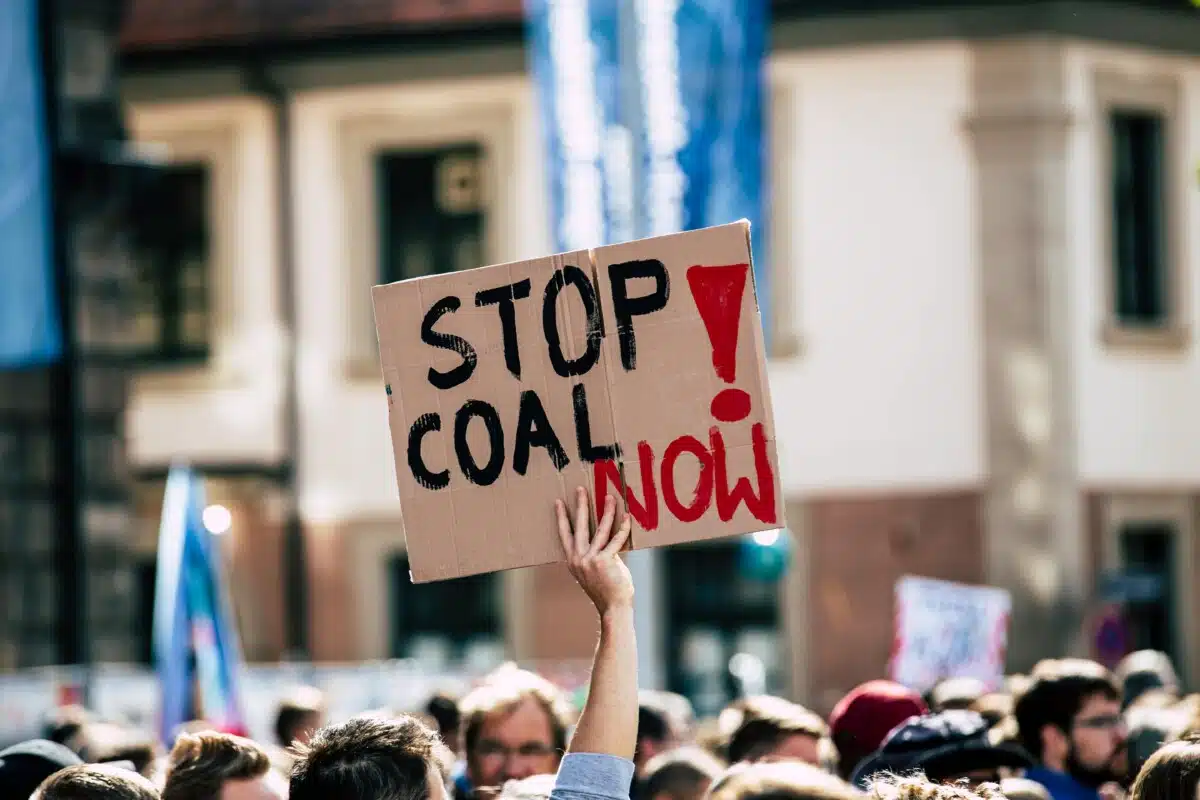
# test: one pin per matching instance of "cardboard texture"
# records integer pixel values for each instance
(635, 369)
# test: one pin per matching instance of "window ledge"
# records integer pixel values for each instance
(362, 370)
(1171, 338)
(785, 347)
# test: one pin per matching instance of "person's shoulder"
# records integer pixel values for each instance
(593, 775)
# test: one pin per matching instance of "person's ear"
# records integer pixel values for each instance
(1055, 744)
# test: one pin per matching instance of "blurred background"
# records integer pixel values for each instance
(981, 269)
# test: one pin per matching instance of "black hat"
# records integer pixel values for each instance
(24, 766)
(942, 745)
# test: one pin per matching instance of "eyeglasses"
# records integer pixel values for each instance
(1103, 723)
(494, 751)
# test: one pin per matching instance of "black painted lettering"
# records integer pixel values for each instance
(426, 423)
(505, 298)
(534, 430)
(447, 341)
(583, 431)
(625, 308)
(489, 473)
(568, 368)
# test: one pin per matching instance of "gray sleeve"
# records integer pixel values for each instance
(587, 776)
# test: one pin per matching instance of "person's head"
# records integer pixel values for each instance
(106, 743)
(863, 718)
(24, 766)
(535, 787)
(1149, 728)
(1173, 773)
(956, 693)
(442, 708)
(95, 782)
(782, 780)
(891, 787)
(300, 713)
(513, 726)
(995, 707)
(372, 758)
(773, 729)
(65, 725)
(220, 766)
(1070, 720)
(683, 774)
(658, 729)
(1023, 789)
(948, 746)
(1144, 671)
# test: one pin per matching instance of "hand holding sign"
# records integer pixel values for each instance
(508, 384)
(596, 563)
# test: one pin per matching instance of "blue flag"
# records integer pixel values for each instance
(196, 648)
(29, 333)
(693, 127)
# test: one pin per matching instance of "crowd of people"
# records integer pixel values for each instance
(1070, 730)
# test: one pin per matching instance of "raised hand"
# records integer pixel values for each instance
(595, 561)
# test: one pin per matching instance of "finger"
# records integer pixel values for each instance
(581, 521)
(604, 529)
(617, 543)
(564, 526)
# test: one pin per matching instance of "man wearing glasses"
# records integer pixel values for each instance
(1070, 721)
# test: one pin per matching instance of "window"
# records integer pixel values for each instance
(443, 623)
(716, 611)
(171, 303)
(1141, 165)
(1147, 552)
(1141, 272)
(431, 212)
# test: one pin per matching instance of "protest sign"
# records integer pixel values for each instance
(635, 369)
(949, 630)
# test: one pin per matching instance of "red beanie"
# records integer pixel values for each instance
(863, 718)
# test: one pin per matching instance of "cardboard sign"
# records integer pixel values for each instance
(636, 370)
(949, 630)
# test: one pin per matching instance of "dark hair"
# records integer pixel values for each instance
(1171, 774)
(200, 764)
(791, 780)
(443, 709)
(768, 720)
(96, 782)
(502, 692)
(294, 710)
(1057, 691)
(63, 725)
(680, 773)
(104, 742)
(370, 758)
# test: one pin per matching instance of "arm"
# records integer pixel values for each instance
(608, 724)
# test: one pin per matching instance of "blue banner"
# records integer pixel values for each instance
(196, 648)
(654, 122)
(29, 333)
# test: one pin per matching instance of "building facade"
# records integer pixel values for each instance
(985, 250)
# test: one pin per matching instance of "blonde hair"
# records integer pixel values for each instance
(918, 787)
(782, 780)
(502, 692)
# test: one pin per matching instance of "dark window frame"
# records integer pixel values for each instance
(169, 245)
(456, 615)
(1135, 317)
(442, 225)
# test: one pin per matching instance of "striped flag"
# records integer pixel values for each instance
(196, 648)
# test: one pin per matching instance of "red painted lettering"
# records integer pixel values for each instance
(605, 474)
(702, 497)
(761, 506)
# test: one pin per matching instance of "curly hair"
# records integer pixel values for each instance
(917, 787)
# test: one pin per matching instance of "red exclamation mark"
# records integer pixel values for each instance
(718, 294)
